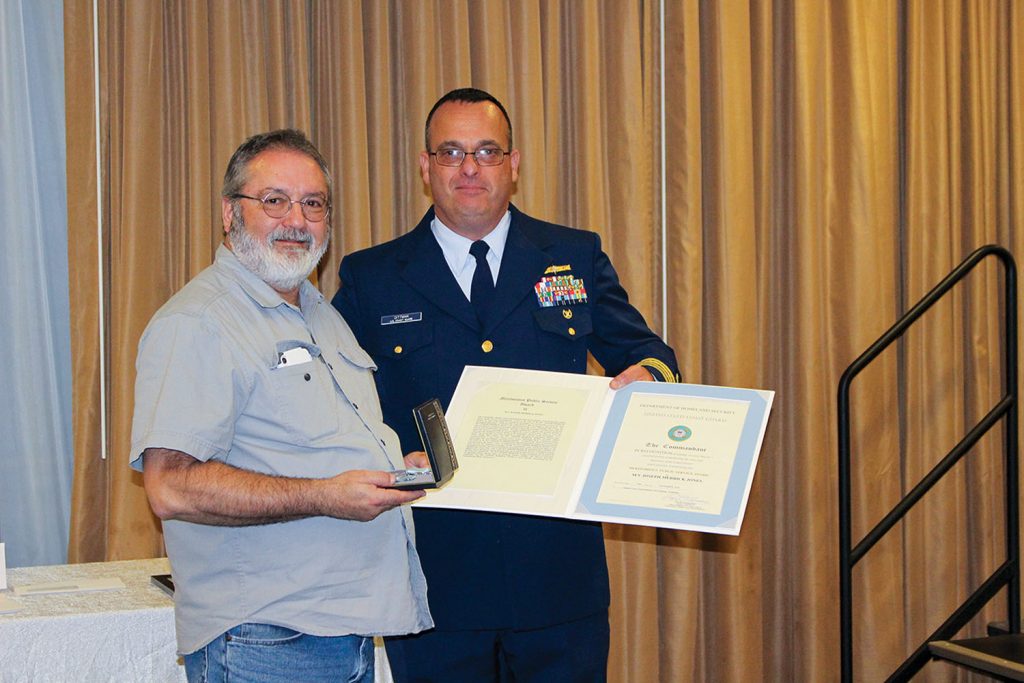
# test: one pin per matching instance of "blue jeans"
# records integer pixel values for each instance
(261, 653)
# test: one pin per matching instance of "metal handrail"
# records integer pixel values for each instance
(1008, 574)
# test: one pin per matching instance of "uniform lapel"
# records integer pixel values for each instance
(425, 270)
(522, 264)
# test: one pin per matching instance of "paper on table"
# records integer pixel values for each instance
(79, 586)
(8, 605)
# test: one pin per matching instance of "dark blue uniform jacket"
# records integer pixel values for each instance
(489, 570)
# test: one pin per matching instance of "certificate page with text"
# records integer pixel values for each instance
(679, 456)
(658, 454)
(683, 467)
(521, 438)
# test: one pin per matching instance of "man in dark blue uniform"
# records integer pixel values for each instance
(478, 282)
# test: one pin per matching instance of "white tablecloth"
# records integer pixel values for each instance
(125, 634)
(110, 636)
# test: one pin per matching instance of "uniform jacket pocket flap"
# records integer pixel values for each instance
(398, 341)
(571, 322)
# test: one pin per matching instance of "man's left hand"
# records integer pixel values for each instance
(634, 373)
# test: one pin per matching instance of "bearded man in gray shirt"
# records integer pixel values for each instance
(259, 434)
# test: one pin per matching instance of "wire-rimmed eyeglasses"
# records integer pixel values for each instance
(278, 204)
(485, 156)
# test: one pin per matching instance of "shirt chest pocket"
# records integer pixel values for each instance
(566, 322)
(306, 400)
(353, 368)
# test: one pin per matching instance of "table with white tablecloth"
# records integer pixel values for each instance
(124, 634)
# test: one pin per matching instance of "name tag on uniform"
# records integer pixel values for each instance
(400, 318)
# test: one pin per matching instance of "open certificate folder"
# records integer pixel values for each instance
(679, 456)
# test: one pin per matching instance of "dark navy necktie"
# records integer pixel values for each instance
(482, 289)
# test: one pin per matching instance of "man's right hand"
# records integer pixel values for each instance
(363, 494)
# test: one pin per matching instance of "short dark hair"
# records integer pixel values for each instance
(467, 96)
(236, 174)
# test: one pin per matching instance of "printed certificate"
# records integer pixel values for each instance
(679, 456)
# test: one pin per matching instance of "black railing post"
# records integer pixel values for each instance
(1011, 442)
(845, 533)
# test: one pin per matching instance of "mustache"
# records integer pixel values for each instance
(289, 235)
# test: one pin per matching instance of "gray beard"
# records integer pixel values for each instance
(282, 271)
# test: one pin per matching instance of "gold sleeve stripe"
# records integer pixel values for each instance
(653, 364)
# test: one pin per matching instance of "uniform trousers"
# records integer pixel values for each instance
(573, 652)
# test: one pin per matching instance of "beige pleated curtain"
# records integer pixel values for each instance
(812, 169)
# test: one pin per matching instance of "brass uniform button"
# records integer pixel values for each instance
(487, 346)
(567, 313)
(572, 331)
(398, 349)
